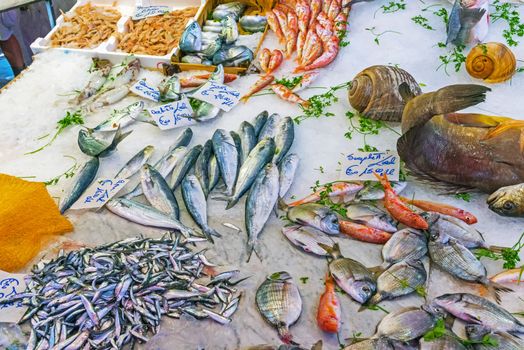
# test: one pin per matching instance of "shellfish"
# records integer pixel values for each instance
(492, 62)
(374, 92)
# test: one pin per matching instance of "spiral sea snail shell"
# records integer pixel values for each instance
(491, 62)
(374, 92)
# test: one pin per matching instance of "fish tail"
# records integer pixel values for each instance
(213, 232)
(331, 250)
(495, 289)
(457, 97)
(208, 234)
(251, 247)
(231, 203)
(245, 98)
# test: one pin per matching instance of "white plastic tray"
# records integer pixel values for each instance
(108, 49)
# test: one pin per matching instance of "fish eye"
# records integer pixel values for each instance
(508, 205)
(366, 289)
(433, 236)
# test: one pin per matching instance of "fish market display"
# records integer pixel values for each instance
(279, 302)
(95, 147)
(374, 92)
(121, 118)
(74, 33)
(97, 77)
(478, 310)
(406, 324)
(85, 177)
(308, 240)
(157, 192)
(315, 215)
(504, 340)
(260, 202)
(437, 142)
(405, 245)
(328, 313)
(468, 22)
(350, 275)
(492, 62)
(156, 35)
(122, 291)
(445, 209)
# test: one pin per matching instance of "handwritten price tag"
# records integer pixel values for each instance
(219, 95)
(173, 115)
(362, 165)
(149, 11)
(99, 193)
(142, 89)
(11, 285)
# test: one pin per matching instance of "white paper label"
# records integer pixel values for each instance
(149, 11)
(142, 89)
(10, 285)
(173, 115)
(101, 191)
(219, 95)
(362, 165)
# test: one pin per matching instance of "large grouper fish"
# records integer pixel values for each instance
(461, 151)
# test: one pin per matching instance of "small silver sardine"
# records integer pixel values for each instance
(259, 122)
(270, 127)
(121, 118)
(136, 162)
(248, 140)
(201, 166)
(284, 136)
(157, 191)
(95, 147)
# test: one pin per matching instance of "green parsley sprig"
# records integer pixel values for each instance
(466, 197)
(70, 172)
(378, 35)
(366, 126)
(74, 118)
(394, 6)
(422, 21)
(510, 256)
(455, 56)
(439, 330)
(290, 83)
(318, 104)
(507, 12)
(325, 198)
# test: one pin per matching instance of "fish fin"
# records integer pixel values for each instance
(471, 16)
(405, 92)
(238, 281)
(377, 270)
(221, 197)
(503, 127)
(453, 25)
(253, 247)
(495, 289)
(317, 345)
(456, 97)
(284, 335)
(475, 120)
(208, 235)
(363, 307)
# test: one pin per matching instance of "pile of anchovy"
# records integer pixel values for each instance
(112, 295)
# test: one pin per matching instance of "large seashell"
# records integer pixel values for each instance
(374, 92)
(491, 62)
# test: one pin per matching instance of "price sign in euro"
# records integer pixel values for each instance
(219, 95)
(142, 89)
(362, 165)
(149, 11)
(99, 193)
(11, 307)
(173, 115)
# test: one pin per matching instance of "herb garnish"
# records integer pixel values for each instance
(466, 197)
(378, 35)
(74, 118)
(318, 103)
(422, 21)
(341, 33)
(508, 13)
(325, 198)
(304, 279)
(455, 56)
(68, 173)
(509, 255)
(440, 330)
(366, 126)
(375, 307)
(442, 13)
(393, 6)
(290, 83)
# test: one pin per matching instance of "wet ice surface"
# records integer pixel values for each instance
(31, 107)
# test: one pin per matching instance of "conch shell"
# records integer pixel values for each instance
(374, 92)
(491, 62)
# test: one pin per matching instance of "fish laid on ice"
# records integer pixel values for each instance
(329, 311)
(135, 163)
(364, 233)
(509, 276)
(468, 22)
(279, 302)
(269, 129)
(307, 239)
(287, 169)
(86, 175)
(227, 157)
(406, 324)
(201, 166)
(95, 147)
(508, 200)
(158, 192)
(285, 134)
(259, 122)
(260, 202)
(121, 118)
(183, 166)
(405, 245)
(503, 340)
(333, 189)
(98, 74)
(259, 85)
(315, 215)
(441, 208)
(248, 140)
(374, 191)
(275, 61)
(287, 95)
(371, 216)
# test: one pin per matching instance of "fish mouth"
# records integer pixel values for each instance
(494, 198)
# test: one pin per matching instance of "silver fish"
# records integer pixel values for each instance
(158, 192)
(196, 205)
(248, 140)
(371, 216)
(270, 127)
(453, 227)
(255, 162)
(106, 98)
(468, 22)
(230, 9)
(182, 168)
(136, 162)
(307, 240)
(210, 47)
(85, 177)
(315, 215)
(229, 30)
(254, 23)
(284, 136)
(170, 89)
(372, 344)
(227, 157)
(194, 59)
(183, 139)
(100, 69)
(259, 204)
(146, 215)
(406, 244)
(95, 147)
(474, 309)
(121, 118)
(213, 173)
(191, 39)
(233, 56)
(354, 278)
(287, 168)
(373, 191)
(406, 324)
(504, 341)
(460, 262)
(259, 122)
(126, 73)
(400, 279)
(279, 302)
(201, 166)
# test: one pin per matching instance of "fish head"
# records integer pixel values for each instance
(476, 331)
(446, 302)
(507, 201)
(329, 224)
(430, 217)
(362, 291)
(435, 310)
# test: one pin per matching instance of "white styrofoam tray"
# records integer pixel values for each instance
(109, 48)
